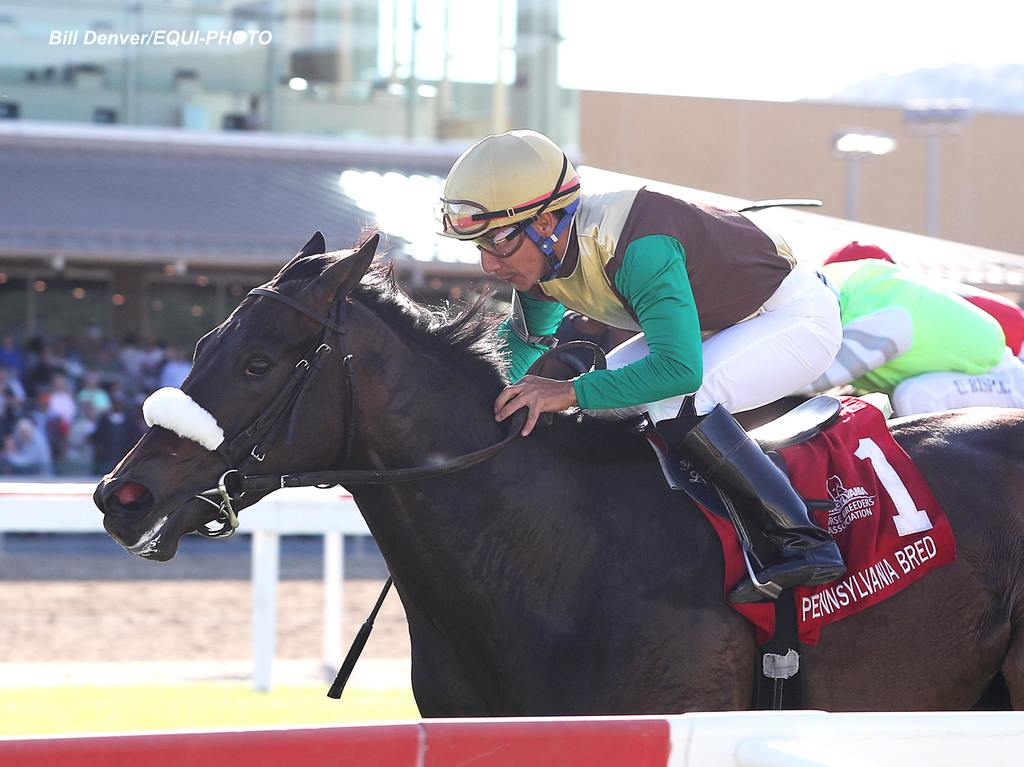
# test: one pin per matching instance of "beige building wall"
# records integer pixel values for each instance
(756, 150)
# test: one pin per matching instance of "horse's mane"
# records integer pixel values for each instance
(467, 338)
(463, 336)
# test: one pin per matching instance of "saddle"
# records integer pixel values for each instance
(798, 425)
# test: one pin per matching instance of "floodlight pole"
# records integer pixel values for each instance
(931, 189)
(933, 119)
(852, 182)
(853, 147)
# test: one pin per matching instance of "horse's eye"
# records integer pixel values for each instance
(258, 366)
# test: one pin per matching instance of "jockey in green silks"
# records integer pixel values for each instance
(729, 321)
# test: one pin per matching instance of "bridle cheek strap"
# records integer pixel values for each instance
(173, 409)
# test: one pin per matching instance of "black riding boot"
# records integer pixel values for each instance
(805, 555)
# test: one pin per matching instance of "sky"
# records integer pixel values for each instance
(777, 50)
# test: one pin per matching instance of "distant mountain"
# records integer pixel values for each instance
(989, 89)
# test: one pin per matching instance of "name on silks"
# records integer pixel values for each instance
(868, 581)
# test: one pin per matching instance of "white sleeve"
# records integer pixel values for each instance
(868, 343)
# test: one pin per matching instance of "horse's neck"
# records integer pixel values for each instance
(513, 548)
(414, 409)
(456, 538)
(481, 559)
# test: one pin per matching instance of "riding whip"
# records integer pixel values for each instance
(357, 646)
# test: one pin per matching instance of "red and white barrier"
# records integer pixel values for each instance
(790, 739)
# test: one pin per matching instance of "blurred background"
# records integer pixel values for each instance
(147, 182)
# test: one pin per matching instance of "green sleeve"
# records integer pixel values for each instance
(542, 319)
(654, 281)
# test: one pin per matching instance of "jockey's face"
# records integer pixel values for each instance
(525, 267)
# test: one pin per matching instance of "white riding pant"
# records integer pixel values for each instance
(787, 345)
(1002, 386)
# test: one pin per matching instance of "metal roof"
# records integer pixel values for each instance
(109, 195)
(113, 193)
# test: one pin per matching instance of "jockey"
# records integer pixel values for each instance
(729, 321)
(922, 343)
(1006, 313)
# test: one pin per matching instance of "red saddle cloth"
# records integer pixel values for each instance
(884, 518)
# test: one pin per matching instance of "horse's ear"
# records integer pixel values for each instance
(316, 246)
(341, 277)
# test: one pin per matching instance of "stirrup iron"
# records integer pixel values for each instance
(768, 589)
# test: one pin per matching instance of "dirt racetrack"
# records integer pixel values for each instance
(81, 598)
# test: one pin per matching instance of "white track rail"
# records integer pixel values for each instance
(67, 507)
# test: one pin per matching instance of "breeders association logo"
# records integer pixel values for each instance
(850, 504)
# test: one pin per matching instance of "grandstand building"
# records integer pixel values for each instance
(161, 232)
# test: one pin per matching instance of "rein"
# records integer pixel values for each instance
(233, 483)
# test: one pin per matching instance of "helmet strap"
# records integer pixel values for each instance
(546, 245)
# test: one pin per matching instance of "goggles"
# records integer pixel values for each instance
(465, 217)
(504, 241)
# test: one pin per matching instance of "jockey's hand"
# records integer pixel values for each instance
(540, 395)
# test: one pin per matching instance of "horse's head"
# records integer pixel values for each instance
(238, 408)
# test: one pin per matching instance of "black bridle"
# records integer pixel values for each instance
(245, 446)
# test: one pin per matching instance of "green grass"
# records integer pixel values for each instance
(79, 709)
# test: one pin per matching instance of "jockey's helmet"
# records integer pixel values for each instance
(505, 179)
(854, 251)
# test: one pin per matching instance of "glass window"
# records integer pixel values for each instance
(68, 306)
(50, 76)
(179, 313)
(13, 304)
(420, 70)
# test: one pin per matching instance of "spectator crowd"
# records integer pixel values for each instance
(73, 405)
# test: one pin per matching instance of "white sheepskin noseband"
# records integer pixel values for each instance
(175, 410)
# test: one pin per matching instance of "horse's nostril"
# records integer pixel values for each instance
(130, 493)
(129, 498)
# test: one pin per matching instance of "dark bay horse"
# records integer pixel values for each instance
(562, 576)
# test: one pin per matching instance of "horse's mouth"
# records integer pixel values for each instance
(160, 540)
